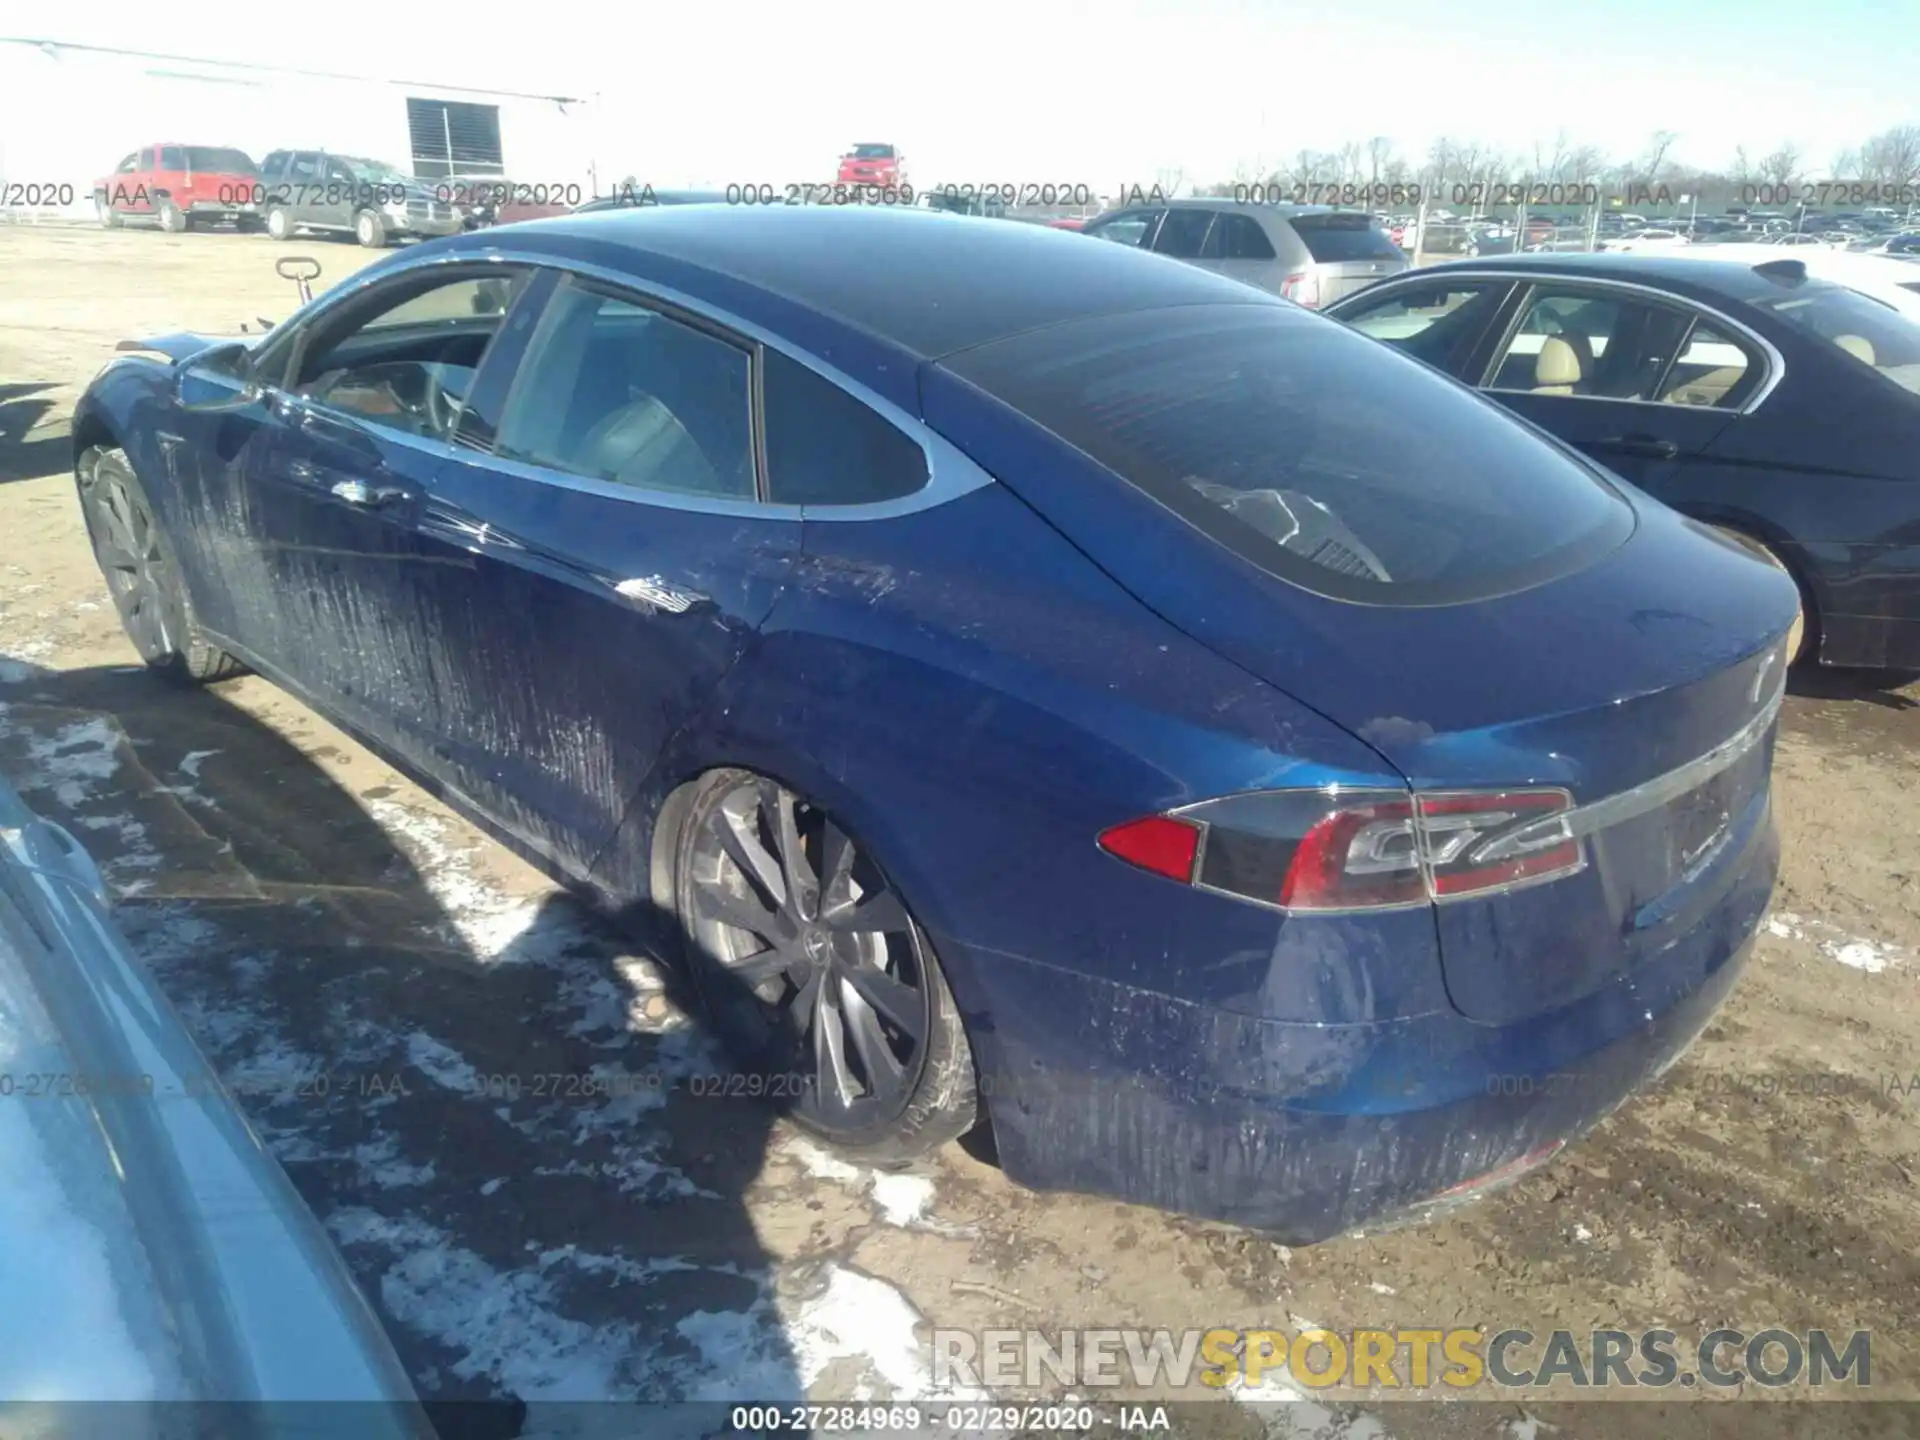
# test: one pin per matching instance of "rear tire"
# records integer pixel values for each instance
(138, 565)
(814, 975)
(1798, 648)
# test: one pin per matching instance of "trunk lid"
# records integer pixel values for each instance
(1439, 579)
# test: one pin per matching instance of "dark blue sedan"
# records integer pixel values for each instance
(1039, 682)
(1781, 409)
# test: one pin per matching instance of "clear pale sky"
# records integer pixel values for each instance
(1041, 90)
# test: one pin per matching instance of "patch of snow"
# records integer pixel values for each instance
(491, 923)
(903, 1199)
(191, 762)
(1380, 1289)
(1854, 951)
(73, 760)
(1858, 955)
(441, 1064)
(822, 1165)
(492, 1186)
(1582, 1233)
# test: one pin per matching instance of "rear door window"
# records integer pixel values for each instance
(172, 159)
(1588, 342)
(1713, 369)
(1236, 237)
(1183, 233)
(1311, 451)
(1342, 236)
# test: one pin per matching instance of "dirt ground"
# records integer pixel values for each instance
(315, 915)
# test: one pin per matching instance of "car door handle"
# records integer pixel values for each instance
(1651, 447)
(369, 497)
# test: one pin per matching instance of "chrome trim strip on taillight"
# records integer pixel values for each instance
(1598, 815)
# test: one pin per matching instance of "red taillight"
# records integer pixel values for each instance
(1339, 850)
(1322, 874)
(1302, 287)
(1158, 843)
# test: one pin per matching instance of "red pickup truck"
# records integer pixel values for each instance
(180, 186)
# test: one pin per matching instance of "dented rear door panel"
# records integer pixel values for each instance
(569, 629)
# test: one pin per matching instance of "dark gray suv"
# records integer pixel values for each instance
(1310, 254)
(348, 194)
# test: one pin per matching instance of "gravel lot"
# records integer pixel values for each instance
(358, 961)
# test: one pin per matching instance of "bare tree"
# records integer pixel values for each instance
(1550, 159)
(1654, 166)
(1892, 157)
(1584, 162)
(1846, 166)
(1379, 157)
(1743, 168)
(1352, 162)
(1168, 179)
(1782, 167)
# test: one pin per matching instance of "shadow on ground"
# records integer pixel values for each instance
(491, 1102)
(30, 447)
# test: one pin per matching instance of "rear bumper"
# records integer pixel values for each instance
(1306, 1131)
(428, 228)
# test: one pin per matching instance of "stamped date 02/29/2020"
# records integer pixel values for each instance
(497, 1085)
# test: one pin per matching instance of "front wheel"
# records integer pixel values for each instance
(103, 211)
(814, 974)
(370, 230)
(173, 219)
(140, 573)
(279, 223)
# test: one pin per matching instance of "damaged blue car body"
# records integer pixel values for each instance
(1034, 680)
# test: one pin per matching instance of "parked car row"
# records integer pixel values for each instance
(182, 187)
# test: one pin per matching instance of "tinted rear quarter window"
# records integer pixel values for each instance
(1311, 451)
(827, 447)
(1333, 238)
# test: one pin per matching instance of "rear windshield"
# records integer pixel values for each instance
(1876, 335)
(873, 152)
(1317, 454)
(1333, 238)
(213, 158)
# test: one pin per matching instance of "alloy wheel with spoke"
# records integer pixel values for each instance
(818, 968)
(127, 544)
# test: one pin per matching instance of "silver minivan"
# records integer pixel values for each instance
(1310, 254)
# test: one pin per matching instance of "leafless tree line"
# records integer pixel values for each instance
(1891, 158)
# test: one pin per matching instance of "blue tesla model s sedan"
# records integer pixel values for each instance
(1038, 682)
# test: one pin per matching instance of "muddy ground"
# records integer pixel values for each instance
(325, 926)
